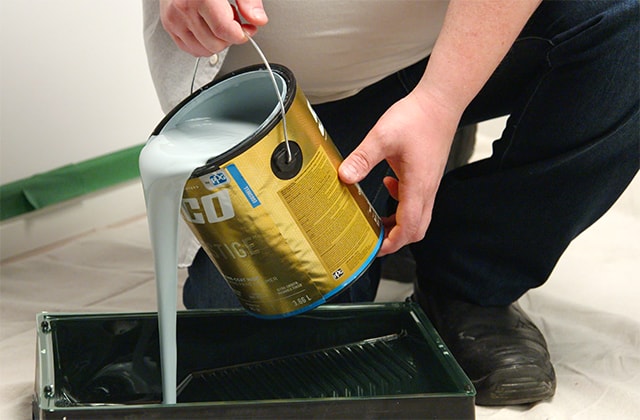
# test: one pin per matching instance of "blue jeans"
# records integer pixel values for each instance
(570, 85)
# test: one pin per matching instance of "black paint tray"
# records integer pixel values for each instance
(341, 361)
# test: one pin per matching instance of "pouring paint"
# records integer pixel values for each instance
(165, 165)
(263, 199)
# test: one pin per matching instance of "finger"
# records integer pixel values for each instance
(184, 23)
(395, 238)
(220, 21)
(410, 222)
(388, 223)
(253, 12)
(186, 41)
(389, 246)
(248, 28)
(361, 161)
(207, 39)
(392, 186)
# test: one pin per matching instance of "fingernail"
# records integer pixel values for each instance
(347, 171)
(258, 13)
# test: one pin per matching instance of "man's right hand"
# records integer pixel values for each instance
(205, 27)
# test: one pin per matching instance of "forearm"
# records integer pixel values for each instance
(475, 37)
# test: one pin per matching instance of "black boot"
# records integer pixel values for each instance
(499, 348)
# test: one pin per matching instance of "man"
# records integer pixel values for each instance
(392, 82)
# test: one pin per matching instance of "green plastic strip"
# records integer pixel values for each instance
(67, 182)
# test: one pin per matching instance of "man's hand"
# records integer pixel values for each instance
(205, 27)
(414, 136)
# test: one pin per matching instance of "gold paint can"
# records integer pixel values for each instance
(270, 211)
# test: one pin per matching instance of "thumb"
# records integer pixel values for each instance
(360, 162)
(252, 11)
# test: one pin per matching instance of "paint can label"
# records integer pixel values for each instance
(284, 245)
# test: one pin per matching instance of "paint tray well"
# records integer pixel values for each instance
(375, 367)
(366, 360)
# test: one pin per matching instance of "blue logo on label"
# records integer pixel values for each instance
(218, 178)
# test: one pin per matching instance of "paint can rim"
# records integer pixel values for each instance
(290, 87)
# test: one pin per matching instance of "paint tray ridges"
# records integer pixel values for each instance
(373, 367)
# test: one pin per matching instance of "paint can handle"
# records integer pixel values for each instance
(278, 95)
(275, 86)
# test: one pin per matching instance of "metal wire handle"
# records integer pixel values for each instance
(275, 86)
(195, 71)
(278, 93)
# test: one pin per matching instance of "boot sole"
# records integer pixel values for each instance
(516, 385)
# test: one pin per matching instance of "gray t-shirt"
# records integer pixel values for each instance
(335, 48)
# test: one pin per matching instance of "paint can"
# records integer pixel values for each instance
(270, 211)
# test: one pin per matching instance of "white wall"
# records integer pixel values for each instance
(74, 83)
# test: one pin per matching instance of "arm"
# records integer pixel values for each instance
(415, 134)
(206, 27)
